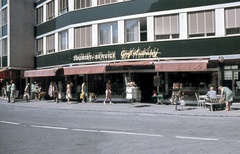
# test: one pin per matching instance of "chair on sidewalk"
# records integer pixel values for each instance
(213, 102)
(200, 103)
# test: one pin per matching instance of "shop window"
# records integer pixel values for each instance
(50, 10)
(83, 36)
(50, 43)
(4, 47)
(108, 33)
(78, 4)
(4, 17)
(232, 16)
(201, 24)
(228, 72)
(40, 46)
(63, 40)
(63, 6)
(136, 30)
(166, 27)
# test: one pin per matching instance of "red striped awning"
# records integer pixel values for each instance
(181, 66)
(40, 73)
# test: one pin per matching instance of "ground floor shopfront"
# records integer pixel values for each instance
(197, 63)
(144, 77)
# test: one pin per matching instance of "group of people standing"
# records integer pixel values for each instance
(81, 92)
(11, 91)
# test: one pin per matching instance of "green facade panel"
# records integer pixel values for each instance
(148, 50)
(118, 10)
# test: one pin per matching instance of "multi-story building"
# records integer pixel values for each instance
(192, 42)
(17, 41)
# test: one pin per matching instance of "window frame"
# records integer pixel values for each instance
(232, 28)
(63, 7)
(5, 47)
(4, 17)
(134, 38)
(50, 43)
(63, 38)
(160, 22)
(40, 46)
(50, 10)
(201, 29)
(86, 33)
(112, 27)
(80, 4)
(40, 15)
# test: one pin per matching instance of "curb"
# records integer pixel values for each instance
(125, 108)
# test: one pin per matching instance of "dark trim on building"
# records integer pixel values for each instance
(147, 50)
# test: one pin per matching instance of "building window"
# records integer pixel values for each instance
(83, 37)
(232, 16)
(136, 30)
(4, 17)
(50, 10)
(4, 2)
(63, 6)
(39, 15)
(108, 33)
(132, 30)
(51, 44)
(102, 2)
(166, 27)
(82, 4)
(63, 40)
(201, 24)
(228, 72)
(4, 47)
(40, 46)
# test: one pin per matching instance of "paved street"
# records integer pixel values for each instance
(94, 128)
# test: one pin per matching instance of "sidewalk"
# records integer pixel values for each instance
(135, 108)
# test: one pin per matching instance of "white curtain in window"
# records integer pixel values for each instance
(132, 30)
(105, 34)
(108, 33)
(63, 40)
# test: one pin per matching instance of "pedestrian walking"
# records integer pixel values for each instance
(26, 92)
(84, 92)
(68, 93)
(8, 91)
(51, 90)
(108, 92)
(13, 92)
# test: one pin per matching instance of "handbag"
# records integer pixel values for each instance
(82, 95)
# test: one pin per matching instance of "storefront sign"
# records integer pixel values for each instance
(99, 56)
(140, 53)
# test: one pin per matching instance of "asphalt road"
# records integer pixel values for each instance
(26, 130)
